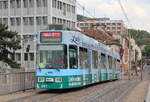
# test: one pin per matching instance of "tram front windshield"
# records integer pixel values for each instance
(52, 56)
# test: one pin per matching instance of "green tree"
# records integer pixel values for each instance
(141, 37)
(8, 45)
(146, 51)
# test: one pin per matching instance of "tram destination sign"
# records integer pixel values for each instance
(50, 37)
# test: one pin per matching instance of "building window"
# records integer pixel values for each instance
(5, 21)
(54, 20)
(31, 3)
(12, 4)
(18, 56)
(38, 3)
(18, 2)
(114, 28)
(73, 9)
(106, 24)
(119, 24)
(18, 21)
(108, 28)
(59, 21)
(12, 21)
(32, 56)
(25, 3)
(5, 4)
(31, 20)
(44, 3)
(1, 4)
(38, 20)
(0, 20)
(57, 4)
(53, 3)
(64, 8)
(114, 24)
(64, 22)
(73, 24)
(25, 20)
(68, 7)
(45, 20)
(26, 56)
(60, 5)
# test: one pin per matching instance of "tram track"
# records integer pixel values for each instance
(48, 94)
(87, 94)
(35, 97)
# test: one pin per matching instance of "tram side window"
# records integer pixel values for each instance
(114, 64)
(95, 59)
(83, 52)
(73, 57)
(103, 61)
(118, 65)
(110, 61)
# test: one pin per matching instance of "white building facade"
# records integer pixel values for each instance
(29, 16)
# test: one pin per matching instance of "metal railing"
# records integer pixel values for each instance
(13, 82)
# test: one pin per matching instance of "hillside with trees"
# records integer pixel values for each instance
(141, 37)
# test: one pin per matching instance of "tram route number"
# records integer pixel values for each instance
(43, 86)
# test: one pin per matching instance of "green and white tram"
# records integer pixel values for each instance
(70, 59)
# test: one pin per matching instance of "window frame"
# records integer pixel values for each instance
(86, 63)
(76, 48)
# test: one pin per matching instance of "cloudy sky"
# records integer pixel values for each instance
(138, 11)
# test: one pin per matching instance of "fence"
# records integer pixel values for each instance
(13, 82)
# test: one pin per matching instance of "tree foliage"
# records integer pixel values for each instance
(8, 45)
(146, 51)
(141, 37)
(81, 17)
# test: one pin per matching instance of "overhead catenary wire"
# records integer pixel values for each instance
(124, 12)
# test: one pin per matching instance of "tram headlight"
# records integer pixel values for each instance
(49, 79)
(58, 80)
(41, 79)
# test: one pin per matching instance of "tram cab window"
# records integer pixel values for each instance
(110, 62)
(52, 56)
(95, 59)
(103, 61)
(73, 57)
(83, 53)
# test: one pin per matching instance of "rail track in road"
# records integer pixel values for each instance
(102, 92)
(36, 97)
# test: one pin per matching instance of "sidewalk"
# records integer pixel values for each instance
(148, 95)
(138, 93)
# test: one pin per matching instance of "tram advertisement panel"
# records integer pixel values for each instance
(51, 37)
